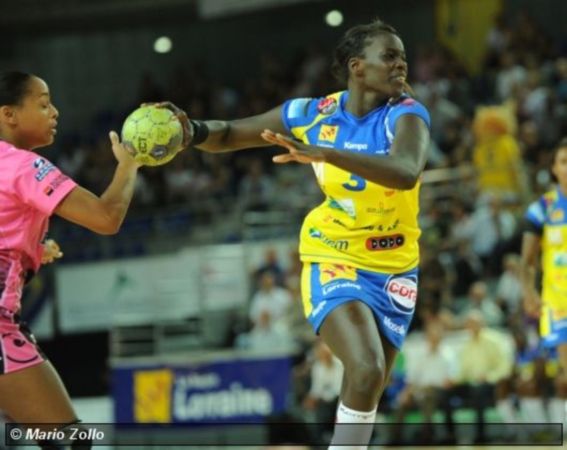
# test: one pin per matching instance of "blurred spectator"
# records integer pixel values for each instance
(509, 289)
(270, 263)
(428, 389)
(467, 268)
(484, 361)
(493, 227)
(256, 189)
(326, 379)
(479, 300)
(271, 298)
(510, 75)
(266, 334)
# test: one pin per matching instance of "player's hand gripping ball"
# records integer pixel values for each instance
(154, 135)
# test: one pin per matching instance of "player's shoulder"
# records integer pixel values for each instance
(15, 161)
(14, 158)
(406, 104)
(538, 209)
(549, 197)
(309, 107)
(406, 101)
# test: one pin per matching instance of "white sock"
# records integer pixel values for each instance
(557, 410)
(507, 411)
(352, 434)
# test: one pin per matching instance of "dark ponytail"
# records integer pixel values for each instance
(13, 87)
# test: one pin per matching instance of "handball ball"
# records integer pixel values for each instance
(153, 134)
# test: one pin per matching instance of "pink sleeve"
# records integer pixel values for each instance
(40, 184)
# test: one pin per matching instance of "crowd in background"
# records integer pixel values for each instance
(502, 121)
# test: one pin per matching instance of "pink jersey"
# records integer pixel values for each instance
(31, 187)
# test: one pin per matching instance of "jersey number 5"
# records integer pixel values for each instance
(355, 183)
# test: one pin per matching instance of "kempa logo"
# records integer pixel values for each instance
(337, 245)
(398, 329)
(354, 146)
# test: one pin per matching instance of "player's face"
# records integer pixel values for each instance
(559, 167)
(35, 119)
(384, 65)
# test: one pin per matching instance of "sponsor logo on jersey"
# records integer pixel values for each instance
(344, 205)
(560, 259)
(55, 183)
(328, 133)
(327, 106)
(44, 170)
(392, 326)
(402, 292)
(340, 245)
(39, 163)
(355, 146)
(380, 210)
(379, 243)
(331, 272)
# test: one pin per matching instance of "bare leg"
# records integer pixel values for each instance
(36, 395)
(352, 334)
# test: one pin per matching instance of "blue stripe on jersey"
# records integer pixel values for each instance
(298, 112)
(298, 108)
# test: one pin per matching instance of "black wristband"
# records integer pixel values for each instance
(200, 132)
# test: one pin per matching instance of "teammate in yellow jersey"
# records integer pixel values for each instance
(368, 147)
(546, 232)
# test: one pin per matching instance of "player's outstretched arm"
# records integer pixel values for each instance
(401, 169)
(226, 136)
(104, 214)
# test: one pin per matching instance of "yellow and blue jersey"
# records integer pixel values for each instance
(360, 223)
(548, 218)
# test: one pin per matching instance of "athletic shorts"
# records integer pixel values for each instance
(391, 297)
(18, 347)
(553, 326)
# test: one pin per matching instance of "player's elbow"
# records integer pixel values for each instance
(407, 180)
(107, 225)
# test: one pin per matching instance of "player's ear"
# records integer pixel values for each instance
(7, 115)
(355, 66)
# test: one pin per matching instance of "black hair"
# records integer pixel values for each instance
(13, 87)
(353, 44)
(561, 145)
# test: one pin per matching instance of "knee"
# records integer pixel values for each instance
(366, 374)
